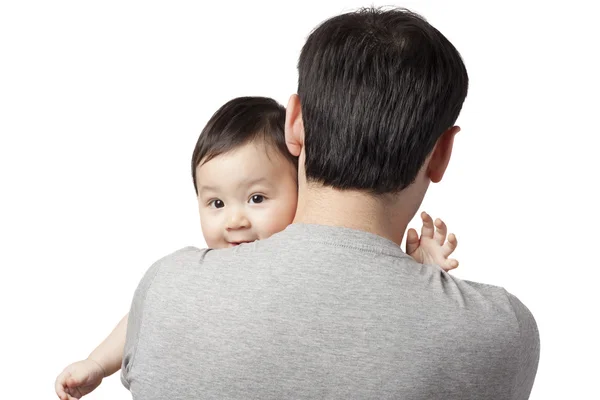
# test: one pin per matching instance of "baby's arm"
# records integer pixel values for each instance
(109, 354)
(82, 377)
(432, 247)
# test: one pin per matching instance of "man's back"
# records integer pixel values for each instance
(321, 312)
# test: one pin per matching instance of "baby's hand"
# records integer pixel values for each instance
(78, 379)
(432, 247)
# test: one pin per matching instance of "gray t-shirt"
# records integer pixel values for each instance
(318, 312)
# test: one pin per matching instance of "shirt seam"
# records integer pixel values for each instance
(367, 248)
(142, 315)
(520, 347)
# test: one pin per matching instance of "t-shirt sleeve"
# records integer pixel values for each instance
(134, 322)
(528, 351)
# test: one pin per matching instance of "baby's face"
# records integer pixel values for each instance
(245, 195)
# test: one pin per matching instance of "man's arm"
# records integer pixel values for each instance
(134, 322)
(529, 349)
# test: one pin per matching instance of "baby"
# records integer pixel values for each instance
(246, 184)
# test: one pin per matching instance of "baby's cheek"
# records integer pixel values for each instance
(277, 225)
(212, 234)
(213, 241)
(277, 221)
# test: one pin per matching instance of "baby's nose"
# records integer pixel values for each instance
(238, 220)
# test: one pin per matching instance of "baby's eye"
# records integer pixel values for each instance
(257, 198)
(216, 204)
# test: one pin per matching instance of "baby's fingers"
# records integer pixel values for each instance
(412, 241)
(440, 231)
(428, 229)
(73, 393)
(450, 264)
(59, 385)
(450, 245)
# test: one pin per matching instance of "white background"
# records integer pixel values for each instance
(101, 104)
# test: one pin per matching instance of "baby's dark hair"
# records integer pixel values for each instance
(238, 122)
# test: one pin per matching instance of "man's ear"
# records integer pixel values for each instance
(441, 155)
(294, 127)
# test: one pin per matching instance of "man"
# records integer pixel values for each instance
(331, 307)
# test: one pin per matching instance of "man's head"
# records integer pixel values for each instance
(379, 92)
(243, 174)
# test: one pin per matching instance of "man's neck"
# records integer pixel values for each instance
(384, 216)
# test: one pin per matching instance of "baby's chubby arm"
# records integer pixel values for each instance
(82, 377)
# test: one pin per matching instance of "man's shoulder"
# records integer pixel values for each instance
(503, 301)
(526, 341)
(176, 260)
(185, 253)
(182, 256)
(488, 291)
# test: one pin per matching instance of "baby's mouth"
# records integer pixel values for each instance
(240, 242)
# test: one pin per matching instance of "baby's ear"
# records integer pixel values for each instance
(294, 127)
